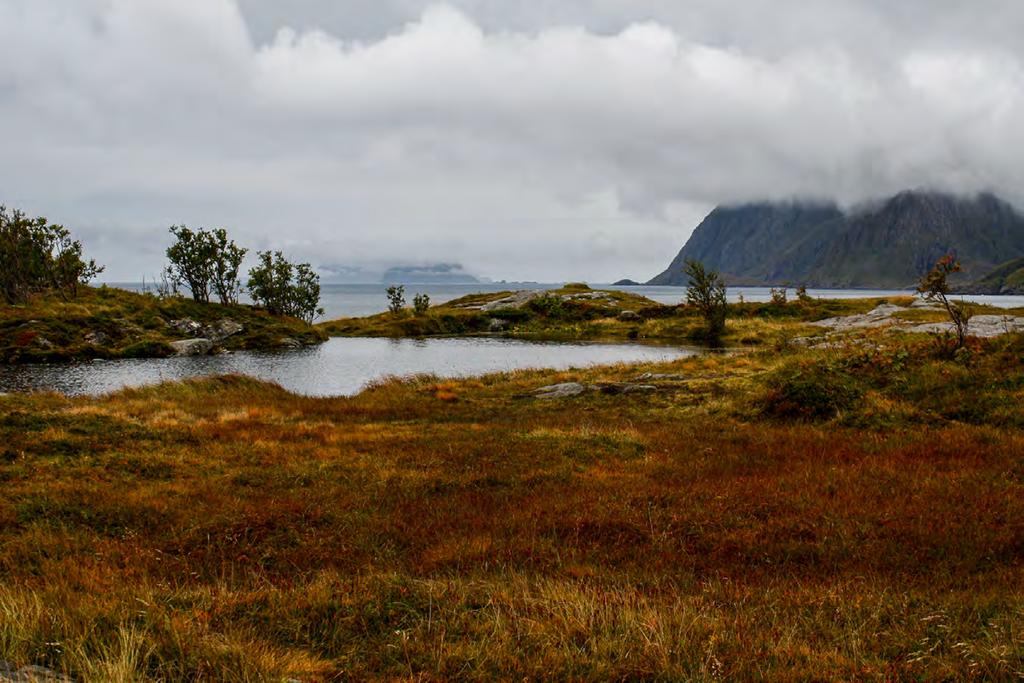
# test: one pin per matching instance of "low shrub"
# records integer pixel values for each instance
(810, 391)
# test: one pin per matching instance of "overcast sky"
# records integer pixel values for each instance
(525, 139)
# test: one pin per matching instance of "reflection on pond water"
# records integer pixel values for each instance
(337, 368)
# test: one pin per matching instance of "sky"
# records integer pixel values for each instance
(543, 140)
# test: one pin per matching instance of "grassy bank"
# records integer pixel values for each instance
(578, 312)
(106, 322)
(849, 513)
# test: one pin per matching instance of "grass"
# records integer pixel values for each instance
(562, 315)
(104, 322)
(835, 514)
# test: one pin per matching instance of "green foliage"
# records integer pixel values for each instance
(205, 260)
(227, 260)
(284, 288)
(779, 296)
(421, 304)
(38, 256)
(934, 286)
(814, 391)
(396, 298)
(802, 296)
(549, 306)
(191, 258)
(148, 349)
(706, 292)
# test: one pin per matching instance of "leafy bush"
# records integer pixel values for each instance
(396, 298)
(205, 260)
(421, 304)
(814, 391)
(284, 288)
(549, 306)
(934, 286)
(38, 256)
(706, 292)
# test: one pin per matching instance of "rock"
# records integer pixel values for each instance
(880, 316)
(218, 331)
(186, 327)
(984, 326)
(514, 300)
(564, 390)
(30, 674)
(924, 303)
(497, 325)
(192, 347)
(630, 316)
(222, 329)
(96, 338)
(289, 343)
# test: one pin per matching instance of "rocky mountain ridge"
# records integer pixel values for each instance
(884, 244)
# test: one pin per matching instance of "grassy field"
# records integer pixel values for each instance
(853, 513)
(104, 322)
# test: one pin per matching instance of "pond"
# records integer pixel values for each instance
(339, 367)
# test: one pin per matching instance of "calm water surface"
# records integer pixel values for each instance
(337, 368)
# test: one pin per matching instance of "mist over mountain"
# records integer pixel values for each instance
(883, 244)
(431, 273)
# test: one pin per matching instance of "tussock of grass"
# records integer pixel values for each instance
(222, 529)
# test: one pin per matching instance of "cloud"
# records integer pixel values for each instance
(541, 144)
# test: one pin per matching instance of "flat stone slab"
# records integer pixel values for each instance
(880, 316)
(563, 390)
(984, 326)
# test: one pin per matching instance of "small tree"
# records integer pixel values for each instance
(802, 295)
(227, 259)
(421, 304)
(396, 298)
(192, 257)
(706, 291)
(37, 256)
(934, 286)
(779, 296)
(284, 288)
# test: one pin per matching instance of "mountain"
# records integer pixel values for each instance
(884, 244)
(437, 273)
(1006, 279)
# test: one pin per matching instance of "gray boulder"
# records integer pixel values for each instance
(563, 390)
(222, 329)
(192, 347)
(630, 316)
(289, 343)
(186, 327)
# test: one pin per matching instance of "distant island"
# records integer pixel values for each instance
(885, 244)
(399, 274)
(627, 283)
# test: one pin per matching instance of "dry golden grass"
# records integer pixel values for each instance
(435, 530)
